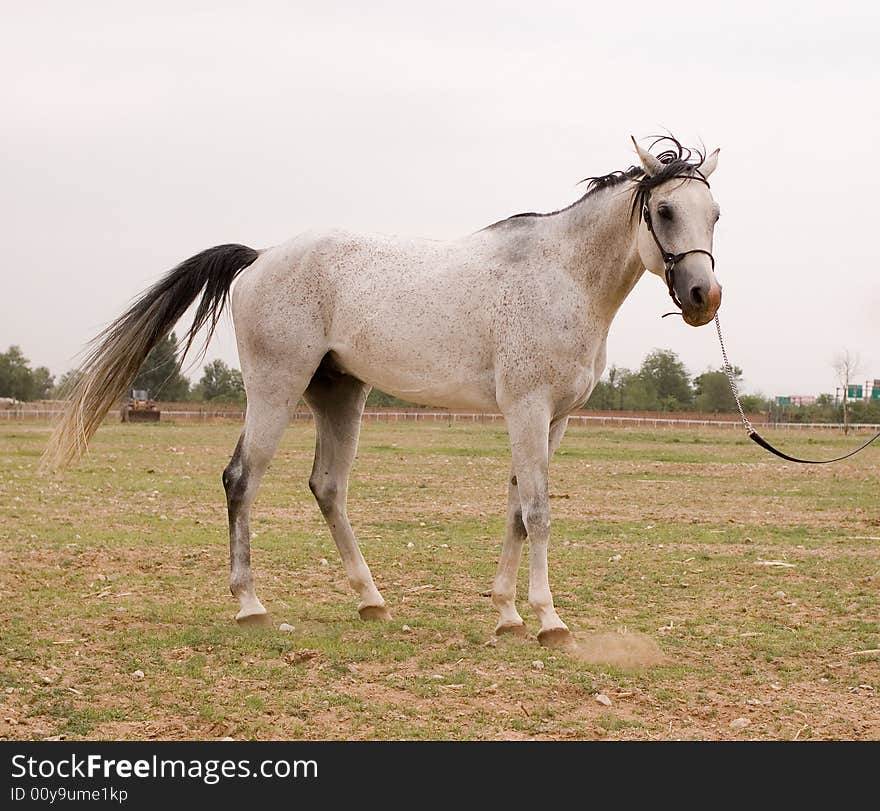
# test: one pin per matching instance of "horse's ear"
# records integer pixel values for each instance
(650, 163)
(710, 164)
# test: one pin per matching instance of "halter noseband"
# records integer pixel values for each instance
(670, 260)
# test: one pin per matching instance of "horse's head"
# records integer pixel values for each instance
(677, 219)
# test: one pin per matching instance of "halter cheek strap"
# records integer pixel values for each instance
(670, 260)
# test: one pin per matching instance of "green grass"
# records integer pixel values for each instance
(121, 565)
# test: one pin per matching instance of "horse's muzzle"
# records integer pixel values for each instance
(700, 302)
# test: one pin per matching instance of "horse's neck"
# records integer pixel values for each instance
(601, 252)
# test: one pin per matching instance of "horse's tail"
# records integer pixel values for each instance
(116, 354)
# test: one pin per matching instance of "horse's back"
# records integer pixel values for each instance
(410, 316)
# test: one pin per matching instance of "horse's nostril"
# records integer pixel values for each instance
(697, 296)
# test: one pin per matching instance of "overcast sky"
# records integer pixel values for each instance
(134, 135)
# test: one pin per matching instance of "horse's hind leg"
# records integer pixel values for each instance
(264, 424)
(337, 401)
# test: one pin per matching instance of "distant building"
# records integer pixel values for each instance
(796, 399)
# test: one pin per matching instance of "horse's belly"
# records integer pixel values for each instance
(422, 375)
(431, 384)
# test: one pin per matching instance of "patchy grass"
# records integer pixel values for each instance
(120, 566)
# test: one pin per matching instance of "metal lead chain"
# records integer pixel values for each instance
(728, 370)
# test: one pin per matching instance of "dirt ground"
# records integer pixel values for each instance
(718, 593)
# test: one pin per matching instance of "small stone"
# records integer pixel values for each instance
(615, 558)
(776, 686)
(602, 699)
(739, 723)
(304, 655)
(779, 594)
(406, 628)
(286, 627)
(538, 664)
(410, 545)
(324, 562)
(163, 517)
(138, 674)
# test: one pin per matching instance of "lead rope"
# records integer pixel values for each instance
(731, 378)
(754, 435)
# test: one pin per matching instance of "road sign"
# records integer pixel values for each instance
(855, 392)
(783, 401)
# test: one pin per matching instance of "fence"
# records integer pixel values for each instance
(418, 415)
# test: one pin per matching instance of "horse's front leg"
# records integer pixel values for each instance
(530, 432)
(504, 587)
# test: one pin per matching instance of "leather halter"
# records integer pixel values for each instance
(670, 260)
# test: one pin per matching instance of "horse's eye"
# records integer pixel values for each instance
(664, 212)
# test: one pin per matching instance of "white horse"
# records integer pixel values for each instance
(513, 317)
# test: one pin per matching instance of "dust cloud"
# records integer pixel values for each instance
(628, 650)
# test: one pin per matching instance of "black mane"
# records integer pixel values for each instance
(677, 160)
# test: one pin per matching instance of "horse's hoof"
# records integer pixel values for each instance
(556, 638)
(512, 628)
(254, 621)
(378, 613)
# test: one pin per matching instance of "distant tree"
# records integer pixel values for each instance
(220, 384)
(755, 403)
(65, 384)
(712, 390)
(666, 375)
(160, 373)
(42, 383)
(636, 392)
(15, 374)
(602, 397)
(846, 364)
(380, 399)
(18, 380)
(605, 394)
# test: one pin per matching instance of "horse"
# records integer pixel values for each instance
(511, 318)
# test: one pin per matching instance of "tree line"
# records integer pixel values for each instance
(661, 383)
(159, 374)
